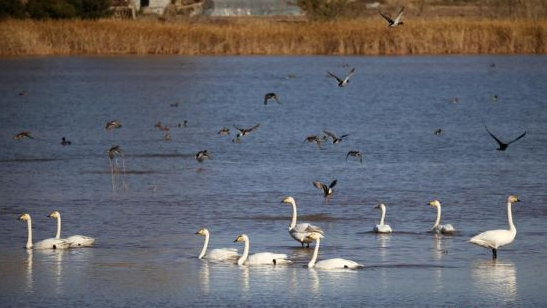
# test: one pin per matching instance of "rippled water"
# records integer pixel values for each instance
(146, 247)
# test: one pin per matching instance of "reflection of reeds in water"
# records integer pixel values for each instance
(267, 37)
(113, 153)
(496, 278)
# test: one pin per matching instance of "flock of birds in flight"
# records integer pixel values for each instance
(304, 233)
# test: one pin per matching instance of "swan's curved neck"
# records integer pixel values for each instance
(29, 240)
(510, 218)
(205, 244)
(245, 254)
(294, 216)
(58, 236)
(315, 253)
(383, 208)
(438, 221)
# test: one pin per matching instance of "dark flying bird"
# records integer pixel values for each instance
(334, 138)
(113, 124)
(21, 135)
(202, 155)
(64, 141)
(270, 96)
(438, 131)
(355, 154)
(397, 21)
(327, 190)
(316, 139)
(342, 82)
(245, 131)
(503, 146)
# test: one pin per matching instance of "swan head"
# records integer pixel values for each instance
(54, 214)
(380, 205)
(435, 203)
(288, 200)
(24, 217)
(315, 236)
(242, 238)
(513, 199)
(203, 231)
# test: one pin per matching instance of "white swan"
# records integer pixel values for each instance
(497, 238)
(381, 228)
(75, 240)
(219, 254)
(336, 263)
(261, 258)
(301, 231)
(50, 243)
(437, 227)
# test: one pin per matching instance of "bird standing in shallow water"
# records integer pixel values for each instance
(393, 22)
(503, 146)
(21, 135)
(270, 96)
(342, 82)
(202, 155)
(355, 154)
(327, 190)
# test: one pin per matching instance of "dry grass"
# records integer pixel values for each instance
(269, 37)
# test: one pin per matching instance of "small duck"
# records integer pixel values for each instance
(174, 104)
(158, 124)
(495, 97)
(316, 139)
(202, 155)
(438, 132)
(224, 131)
(327, 190)
(392, 23)
(245, 131)
(355, 154)
(270, 96)
(342, 82)
(21, 135)
(114, 151)
(113, 124)
(334, 138)
(167, 137)
(64, 141)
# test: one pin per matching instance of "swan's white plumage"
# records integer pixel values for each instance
(494, 239)
(75, 240)
(218, 254)
(50, 243)
(382, 228)
(335, 263)
(300, 231)
(260, 258)
(438, 228)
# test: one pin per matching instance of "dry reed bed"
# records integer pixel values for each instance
(265, 37)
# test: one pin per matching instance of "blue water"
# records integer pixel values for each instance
(146, 250)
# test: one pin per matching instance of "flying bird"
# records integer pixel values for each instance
(342, 82)
(114, 151)
(327, 190)
(21, 135)
(224, 131)
(355, 154)
(202, 155)
(334, 138)
(245, 131)
(113, 124)
(270, 96)
(316, 139)
(64, 141)
(393, 22)
(503, 146)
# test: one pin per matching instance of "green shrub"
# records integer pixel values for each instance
(11, 8)
(57, 9)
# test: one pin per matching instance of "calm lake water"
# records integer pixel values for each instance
(146, 250)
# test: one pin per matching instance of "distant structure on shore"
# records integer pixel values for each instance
(215, 7)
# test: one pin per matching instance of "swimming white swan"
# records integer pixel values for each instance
(497, 238)
(261, 258)
(437, 227)
(381, 228)
(50, 243)
(219, 254)
(301, 231)
(336, 263)
(75, 240)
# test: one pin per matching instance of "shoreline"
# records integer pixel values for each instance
(262, 37)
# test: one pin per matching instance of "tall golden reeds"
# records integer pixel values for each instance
(269, 37)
